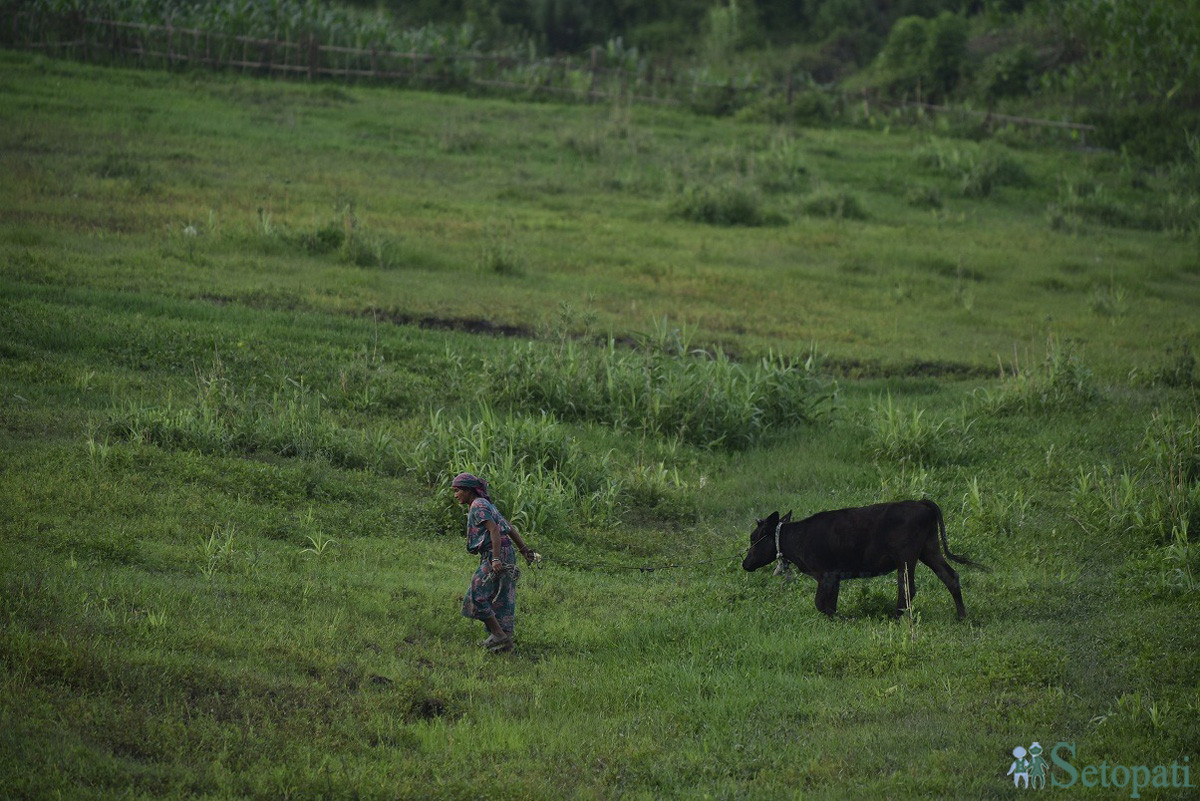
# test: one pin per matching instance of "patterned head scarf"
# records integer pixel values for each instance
(471, 482)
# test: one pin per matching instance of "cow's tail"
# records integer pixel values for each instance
(941, 523)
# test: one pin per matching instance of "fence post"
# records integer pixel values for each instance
(170, 55)
(266, 58)
(595, 68)
(314, 57)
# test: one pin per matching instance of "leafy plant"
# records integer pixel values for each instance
(217, 551)
(319, 544)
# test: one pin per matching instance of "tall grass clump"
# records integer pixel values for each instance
(726, 203)
(663, 388)
(342, 236)
(291, 421)
(906, 436)
(548, 479)
(1061, 381)
(1156, 500)
(838, 205)
(780, 167)
(978, 171)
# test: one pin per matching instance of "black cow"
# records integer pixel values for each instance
(860, 543)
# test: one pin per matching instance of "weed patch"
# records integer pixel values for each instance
(838, 205)
(723, 203)
(1060, 381)
(977, 171)
(663, 388)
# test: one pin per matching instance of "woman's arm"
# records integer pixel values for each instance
(494, 532)
(521, 546)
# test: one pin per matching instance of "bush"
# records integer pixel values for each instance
(546, 478)
(1157, 133)
(838, 205)
(780, 167)
(1011, 73)
(810, 106)
(979, 171)
(923, 197)
(927, 54)
(718, 204)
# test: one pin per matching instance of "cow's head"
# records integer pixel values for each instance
(762, 543)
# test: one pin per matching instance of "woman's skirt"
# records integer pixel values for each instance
(494, 592)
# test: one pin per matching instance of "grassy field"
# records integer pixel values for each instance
(243, 348)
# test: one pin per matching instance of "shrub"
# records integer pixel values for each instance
(1180, 368)
(839, 205)
(1159, 497)
(1011, 73)
(923, 197)
(718, 204)
(929, 55)
(780, 167)
(547, 478)
(979, 171)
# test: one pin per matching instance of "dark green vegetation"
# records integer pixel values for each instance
(1128, 74)
(239, 363)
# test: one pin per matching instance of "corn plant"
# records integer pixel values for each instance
(217, 551)
(318, 544)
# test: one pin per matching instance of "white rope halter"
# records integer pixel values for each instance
(778, 549)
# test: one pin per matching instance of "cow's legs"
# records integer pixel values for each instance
(950, 578)
(827, 594)
(904, 595)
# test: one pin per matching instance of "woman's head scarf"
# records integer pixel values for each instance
(471, 482)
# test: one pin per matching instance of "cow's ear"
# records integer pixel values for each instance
(773, 518)
(788, 516)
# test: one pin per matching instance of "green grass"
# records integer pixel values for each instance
(229, 565)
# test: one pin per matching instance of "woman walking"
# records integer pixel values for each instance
(492, 595)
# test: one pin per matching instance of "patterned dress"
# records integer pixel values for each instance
(491, 592)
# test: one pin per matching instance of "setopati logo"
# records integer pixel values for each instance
(1030, 769)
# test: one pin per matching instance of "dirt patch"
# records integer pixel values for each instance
(871, 368)
(838, 367)
(428, 708)
(467, 325)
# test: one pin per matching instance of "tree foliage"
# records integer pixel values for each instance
(1148, 51)
(927, 56)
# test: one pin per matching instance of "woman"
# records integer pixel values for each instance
(492, 595)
